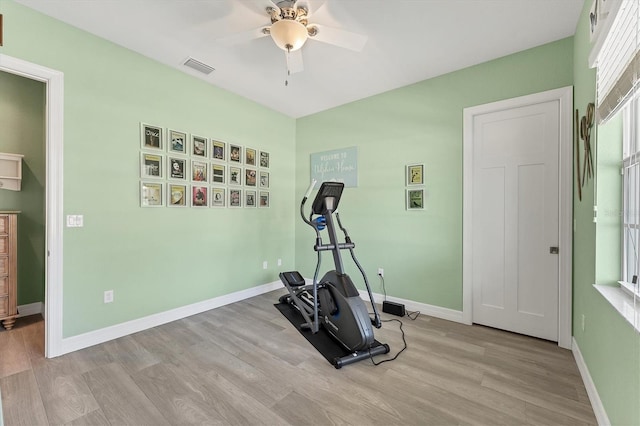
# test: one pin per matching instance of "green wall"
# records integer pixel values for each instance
(22, 123)
(420, 251)
(609, 345)
(154, 259)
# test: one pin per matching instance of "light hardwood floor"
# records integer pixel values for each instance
(245, 364)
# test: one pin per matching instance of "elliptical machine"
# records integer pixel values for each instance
(334, 301)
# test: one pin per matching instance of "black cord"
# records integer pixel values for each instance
(396, 355)
(384, 290)
(415, 315)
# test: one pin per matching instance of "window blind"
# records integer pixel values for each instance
(618, 62)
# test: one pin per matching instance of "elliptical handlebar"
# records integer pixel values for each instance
(376, 315)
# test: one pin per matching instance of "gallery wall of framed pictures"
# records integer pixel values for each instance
(179, 169)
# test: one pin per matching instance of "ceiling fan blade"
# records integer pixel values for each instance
(243, 37)
(317, 4)
(295, 61)
(340, 38)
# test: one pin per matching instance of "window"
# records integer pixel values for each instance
(631, 198)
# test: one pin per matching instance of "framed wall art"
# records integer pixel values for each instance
(218, 173)
(198, 171)
(415, 199)
(415, 174)
(199, 196)
(235, 175)
(151, 165)
(250, 198)
(199, 146)
(151, 194)
(264, 199)
(177, 168)
(218, 197)
(177, 195)
(264, 159)
(235, 154)
(218, 150)
(151, 137)
(264, 179)
(250, 156)
(250, 177)
(235, 198)
(177, 142)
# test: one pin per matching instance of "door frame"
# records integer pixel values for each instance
(54, 113)
(564, 97)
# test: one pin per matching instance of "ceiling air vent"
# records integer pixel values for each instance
(199, 66)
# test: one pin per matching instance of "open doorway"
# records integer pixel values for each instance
(51, 250)
(22, 131)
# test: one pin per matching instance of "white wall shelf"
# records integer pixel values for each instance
(10, 171)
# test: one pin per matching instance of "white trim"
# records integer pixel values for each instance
(565, 98)
(81, 341)
(54, 81)
(592, 391)
(425, 309)
(30, 309)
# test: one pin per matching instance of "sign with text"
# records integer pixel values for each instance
(340, 165)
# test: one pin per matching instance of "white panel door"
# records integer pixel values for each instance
(515, 219)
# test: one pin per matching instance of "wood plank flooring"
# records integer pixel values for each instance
(244, 364)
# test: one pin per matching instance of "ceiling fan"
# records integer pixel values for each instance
(290, 29)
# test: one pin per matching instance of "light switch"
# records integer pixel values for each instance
(75, 221)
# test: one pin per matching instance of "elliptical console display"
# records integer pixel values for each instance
(334, 302)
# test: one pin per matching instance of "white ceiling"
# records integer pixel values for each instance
(407, 41)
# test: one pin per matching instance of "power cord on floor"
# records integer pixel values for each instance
(396, 355)
(415, 315)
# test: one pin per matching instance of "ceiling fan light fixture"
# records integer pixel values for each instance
(288, 34)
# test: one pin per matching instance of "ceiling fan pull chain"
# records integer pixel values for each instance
(286, 81)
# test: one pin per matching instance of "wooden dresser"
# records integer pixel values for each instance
(8, 268)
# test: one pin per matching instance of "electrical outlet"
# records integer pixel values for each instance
(265, 265)
(381, 272)
(582, 322)
(279, 262)
(108, 296)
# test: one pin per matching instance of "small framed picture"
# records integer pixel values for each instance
(198, 171)
(218, 197)
(199, 196)
(177, 142)
(177, 195)
(177, 168)
(218, 150)
(250, 156)
(151, 165)
(235, 175)
(264, 199)
(235, 154)
(250, 198)
(415, 199)
(151, 137)
(218, 173)
(264, 159)
(415, 174)
(199, 146)
(235, 198)
(264, 179)
(250, 177)
(151, 194)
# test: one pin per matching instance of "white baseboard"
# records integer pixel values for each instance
(594, 398)
(30, 309)
(425, 309)
(74, 343)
